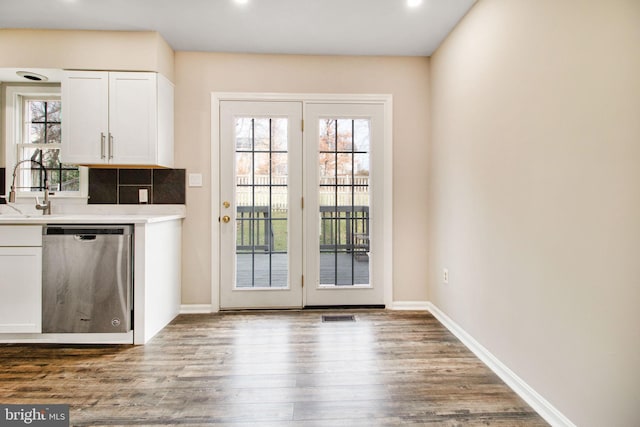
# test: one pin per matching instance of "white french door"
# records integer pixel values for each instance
(344, 202)
(260, 204)
(301, 215)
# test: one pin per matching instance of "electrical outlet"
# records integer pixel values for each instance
(143, 196)
(445, 276)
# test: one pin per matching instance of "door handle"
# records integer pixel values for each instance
(110, 146)
(102, 156)
(226, 219)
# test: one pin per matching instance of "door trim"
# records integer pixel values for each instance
(384, 99)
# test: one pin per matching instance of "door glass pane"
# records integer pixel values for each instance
(344, 201)
(261, 203)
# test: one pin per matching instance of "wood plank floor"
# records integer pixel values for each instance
(284, 368)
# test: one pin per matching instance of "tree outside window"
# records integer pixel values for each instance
(41, 141)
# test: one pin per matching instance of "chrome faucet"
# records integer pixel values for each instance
(45, 205)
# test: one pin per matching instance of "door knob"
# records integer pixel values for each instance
(226, 219)
(226, 204)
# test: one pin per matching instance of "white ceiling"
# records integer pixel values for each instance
(323, 27)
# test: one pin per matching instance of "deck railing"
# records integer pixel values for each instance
(254, 229)
(342, 229)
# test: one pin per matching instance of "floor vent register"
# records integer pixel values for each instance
(339, 318)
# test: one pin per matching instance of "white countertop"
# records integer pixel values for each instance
(93, 215)
(87, 219)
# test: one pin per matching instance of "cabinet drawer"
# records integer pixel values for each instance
(21, 235)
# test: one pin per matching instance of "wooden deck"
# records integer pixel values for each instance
(345, 262)
(262, 369)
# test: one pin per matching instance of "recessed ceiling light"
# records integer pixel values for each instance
(241, 1)
(32, 76)
(414, 3)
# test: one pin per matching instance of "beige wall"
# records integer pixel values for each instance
(86, 50)
(200, 74)
(535, 196)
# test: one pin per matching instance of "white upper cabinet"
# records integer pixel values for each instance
(117, 118)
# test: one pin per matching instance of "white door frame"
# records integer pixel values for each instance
(383, 99)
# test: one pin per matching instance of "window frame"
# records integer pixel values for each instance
(14, 123)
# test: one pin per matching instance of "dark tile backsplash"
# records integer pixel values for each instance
(2, 186)
(122, 186)
(134, 176)
(103, 186)
(168, 186)
(129, 194)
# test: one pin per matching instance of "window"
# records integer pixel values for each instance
(36, 115)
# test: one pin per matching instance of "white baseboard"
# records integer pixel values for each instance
(528, 394)
(409, 305)
(195, 308)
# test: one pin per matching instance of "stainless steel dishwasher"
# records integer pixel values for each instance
(87, 276)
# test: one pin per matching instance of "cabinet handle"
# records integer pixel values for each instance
(102, 156)
(110, 146)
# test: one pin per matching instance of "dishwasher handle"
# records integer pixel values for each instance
(85, 237)
(87, 230)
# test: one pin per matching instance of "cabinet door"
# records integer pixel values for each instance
(85, 117)
(20, 289)
(133, 118)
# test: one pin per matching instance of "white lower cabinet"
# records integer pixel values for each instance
(21, 279)
(156, 294)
